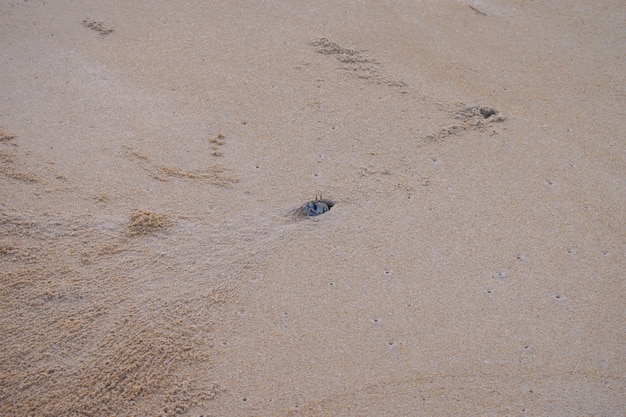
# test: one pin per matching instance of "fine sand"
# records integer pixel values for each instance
(473, 263)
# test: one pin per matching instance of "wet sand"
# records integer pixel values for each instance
(473, 262)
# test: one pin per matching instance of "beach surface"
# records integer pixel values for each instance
(473, 263)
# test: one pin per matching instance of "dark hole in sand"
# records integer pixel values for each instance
(487, 112)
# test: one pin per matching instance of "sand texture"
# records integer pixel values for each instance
(153, 153)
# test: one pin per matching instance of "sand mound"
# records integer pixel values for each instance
(144, 222)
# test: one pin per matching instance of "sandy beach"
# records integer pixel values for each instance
(473, 262)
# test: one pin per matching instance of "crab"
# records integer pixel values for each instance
(314, 207)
